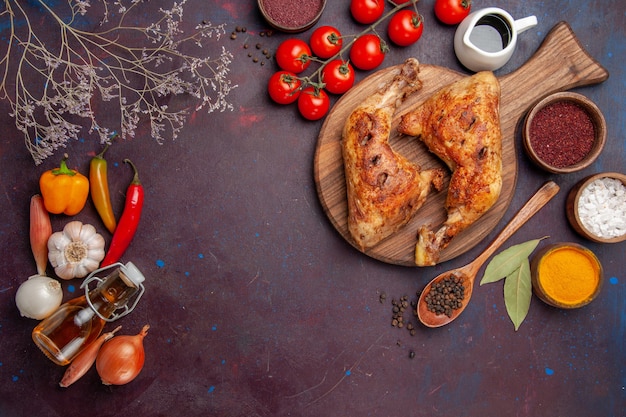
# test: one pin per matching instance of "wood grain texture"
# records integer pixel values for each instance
(559, 64)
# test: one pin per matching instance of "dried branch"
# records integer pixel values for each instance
(57, 75)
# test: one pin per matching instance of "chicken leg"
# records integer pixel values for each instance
(384, 189)
(461, 125)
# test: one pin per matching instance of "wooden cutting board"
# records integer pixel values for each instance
(560, 63)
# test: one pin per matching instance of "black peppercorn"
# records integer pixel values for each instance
(445, 296)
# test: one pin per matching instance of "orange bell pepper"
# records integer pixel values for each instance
(64, 190)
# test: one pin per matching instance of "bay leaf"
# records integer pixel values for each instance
(509, 260)
(518, 293)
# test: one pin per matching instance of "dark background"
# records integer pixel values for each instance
(258, 307)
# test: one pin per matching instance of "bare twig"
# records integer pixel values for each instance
(53, 84)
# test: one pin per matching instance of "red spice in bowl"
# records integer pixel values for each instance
(292, 15)
(564, 132)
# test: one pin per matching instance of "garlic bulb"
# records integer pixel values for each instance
(76, 251)
(38, 297)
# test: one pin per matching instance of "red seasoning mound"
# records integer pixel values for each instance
(292, 13)
(562, 134)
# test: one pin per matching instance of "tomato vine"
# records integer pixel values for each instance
(343, 45)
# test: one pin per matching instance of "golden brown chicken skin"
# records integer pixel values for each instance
(384, 189)
(461, 125)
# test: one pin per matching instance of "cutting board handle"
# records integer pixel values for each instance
(560, 63)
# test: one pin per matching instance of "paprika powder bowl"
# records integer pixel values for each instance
(292, 16)
(575, 215)
(566, 275)
(564, 132)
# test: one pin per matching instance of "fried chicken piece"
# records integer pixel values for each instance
(384, 189)
(461, 125)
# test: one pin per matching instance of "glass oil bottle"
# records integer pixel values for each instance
(80, 321)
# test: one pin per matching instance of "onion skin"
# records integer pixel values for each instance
(85, 359)
(121, 359)
(40, 231)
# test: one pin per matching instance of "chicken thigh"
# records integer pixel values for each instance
(461, 125)
(384, 188)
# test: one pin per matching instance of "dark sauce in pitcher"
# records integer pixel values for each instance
(491, 34)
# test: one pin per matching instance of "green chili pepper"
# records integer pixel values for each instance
(100, 190)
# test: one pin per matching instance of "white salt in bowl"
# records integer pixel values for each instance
(596, 207)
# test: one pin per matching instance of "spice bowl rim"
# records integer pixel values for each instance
(288, 29)
(596, 116)
(538, 289)
(571, 206)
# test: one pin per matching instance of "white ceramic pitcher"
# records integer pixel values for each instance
(486, 39)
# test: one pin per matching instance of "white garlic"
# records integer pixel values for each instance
(76, 251)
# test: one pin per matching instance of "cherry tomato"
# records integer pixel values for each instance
(325, 41)
(313, 103)
(367, 11)
(293, 55)
(405, 27)
(452, 12)
(367, 52)
(284, 87)
(338, 76)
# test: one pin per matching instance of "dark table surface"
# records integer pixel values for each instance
(258, 306)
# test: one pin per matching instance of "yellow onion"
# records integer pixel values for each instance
(121, 358)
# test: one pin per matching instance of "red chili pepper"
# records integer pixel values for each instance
(127, 225)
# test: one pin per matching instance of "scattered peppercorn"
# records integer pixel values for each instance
(398, 308)
(255, 58)
(382, 297)
(445, 296)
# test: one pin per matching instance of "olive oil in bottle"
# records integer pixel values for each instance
(80, 321)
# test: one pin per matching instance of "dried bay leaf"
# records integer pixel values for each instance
(509, 260)
(518, 293)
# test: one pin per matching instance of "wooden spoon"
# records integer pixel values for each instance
(468, 272)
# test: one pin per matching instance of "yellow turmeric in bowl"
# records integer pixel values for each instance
(567, 276)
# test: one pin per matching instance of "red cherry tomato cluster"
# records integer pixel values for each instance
(336, 75)
(293, 56)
